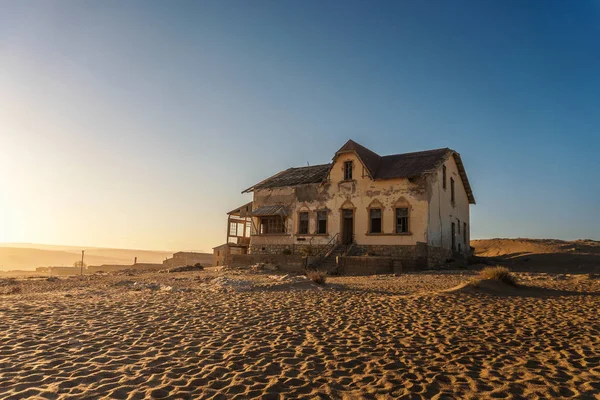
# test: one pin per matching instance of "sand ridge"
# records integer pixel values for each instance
(364, 337)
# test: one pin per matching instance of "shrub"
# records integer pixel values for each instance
(498, 273)
(306, 251)
(286, 252)
(317, 277)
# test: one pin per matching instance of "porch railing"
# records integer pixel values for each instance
(326, 250)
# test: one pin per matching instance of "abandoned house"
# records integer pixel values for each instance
(411, 207)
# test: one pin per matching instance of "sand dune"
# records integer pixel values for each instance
(542, 255)
(231, 335)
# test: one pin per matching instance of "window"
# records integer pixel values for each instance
(271, 225)
(375, 214)
(303, 223)
(321, 222)
(452, 190)
(401, 220)
(458, 227)
(233, 229)
(465, 233)
(444, 177)
(348, 171)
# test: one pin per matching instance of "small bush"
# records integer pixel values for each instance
(306, 251)
(317, 277)
(498, 273)
(286, 252)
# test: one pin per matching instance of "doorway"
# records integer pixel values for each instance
(347, 226)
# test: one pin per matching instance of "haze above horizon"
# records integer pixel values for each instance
(138, 124)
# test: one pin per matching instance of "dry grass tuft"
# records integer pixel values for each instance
(317, 277)
(498, 273)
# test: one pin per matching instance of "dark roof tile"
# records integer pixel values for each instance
(293, 177)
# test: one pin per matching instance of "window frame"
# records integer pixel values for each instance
(300, 221)
(380, 209)
(407, 232)
(444, 176)
(317, 230)
(263, 221)
(348, 170)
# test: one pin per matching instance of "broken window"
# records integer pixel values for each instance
(273, 224)
(401, 220)
(444, 176)
(375, 214)
(303, 223)
(452, 190)
(348, 171)
(321, 222)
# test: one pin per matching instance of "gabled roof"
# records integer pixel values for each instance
(246, 208)
(407, 165)
(370, 159)
(293, 177)
(410, 165)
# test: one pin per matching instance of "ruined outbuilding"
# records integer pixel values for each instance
(412, 208)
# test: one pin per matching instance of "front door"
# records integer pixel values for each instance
(347, 226)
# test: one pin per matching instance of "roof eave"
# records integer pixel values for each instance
(253, 187)
(463, 175)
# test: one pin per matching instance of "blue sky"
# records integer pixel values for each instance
(138, 124)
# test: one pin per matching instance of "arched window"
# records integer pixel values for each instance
(401, 216)
(375, 211)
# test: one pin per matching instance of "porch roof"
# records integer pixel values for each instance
(270, 210)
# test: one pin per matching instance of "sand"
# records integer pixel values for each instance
(542, 255)
(225, 334)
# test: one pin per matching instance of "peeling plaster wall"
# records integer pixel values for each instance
(336, 194)
(363, 192)
(442, 213)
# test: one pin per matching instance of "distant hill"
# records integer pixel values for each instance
(28, 256)
(542, 255)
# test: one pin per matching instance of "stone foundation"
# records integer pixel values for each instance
(386, 258)
(419, 256)
(300, 249)
(286, 263)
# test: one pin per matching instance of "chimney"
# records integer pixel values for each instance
(135, 261)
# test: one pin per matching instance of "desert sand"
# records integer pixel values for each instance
(547, 255)
(228, 334)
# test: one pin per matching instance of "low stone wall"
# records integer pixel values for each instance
(111, 268)
(419, 256)
(299, 249)
(437, 256)
(368, 265)
(412, 257)
(286, 263)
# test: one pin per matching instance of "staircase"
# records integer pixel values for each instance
(329, 263)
